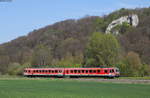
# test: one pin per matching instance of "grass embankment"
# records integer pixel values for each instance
(137, 78)
(60, 88)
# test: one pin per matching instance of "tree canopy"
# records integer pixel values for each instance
(102, 50)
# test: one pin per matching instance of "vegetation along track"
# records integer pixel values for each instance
(130, 80)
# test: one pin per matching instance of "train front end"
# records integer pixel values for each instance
(116, 72)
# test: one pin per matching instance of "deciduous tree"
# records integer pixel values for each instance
(102, 50)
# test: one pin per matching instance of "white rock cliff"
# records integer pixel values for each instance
(133, 20)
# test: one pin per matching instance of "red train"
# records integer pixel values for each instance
(72, 72)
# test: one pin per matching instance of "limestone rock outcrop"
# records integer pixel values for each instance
(133, 20)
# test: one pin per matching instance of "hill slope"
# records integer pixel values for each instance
(70, 37)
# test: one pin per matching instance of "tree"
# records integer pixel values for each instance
(102, 50)
(131, 65)
(13, 68)
(4, 63)
(145, 70)
(41, 57)
(16, 68)
(70, 61)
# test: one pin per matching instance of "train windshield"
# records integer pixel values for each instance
(117, 70)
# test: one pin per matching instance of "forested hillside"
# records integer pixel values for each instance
(70, 43)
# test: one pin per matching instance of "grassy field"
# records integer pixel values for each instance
(58, 88)
(137, 78)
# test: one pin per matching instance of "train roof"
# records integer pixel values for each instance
(72, 68)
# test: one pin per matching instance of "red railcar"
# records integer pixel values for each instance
(72, 72)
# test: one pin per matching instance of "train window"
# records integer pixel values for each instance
(60, 71)
(112, 71)
(105, 71)
(71, 71)
(29, 71)
(49, 71)
(94, 71)
(52, 71)
(56, 71)
(117, 70)
(75, 71)
(90, 71)
(78, 71)
(82, 71)
(98, 71)
(86, 71)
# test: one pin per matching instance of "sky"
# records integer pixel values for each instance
(19, 17)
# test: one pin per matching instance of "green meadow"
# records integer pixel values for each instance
(60, 88)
